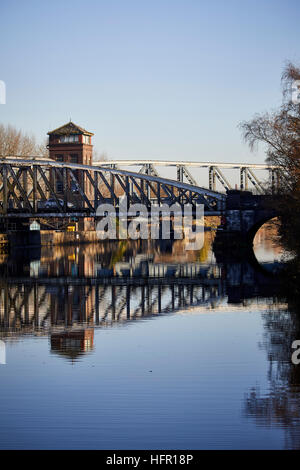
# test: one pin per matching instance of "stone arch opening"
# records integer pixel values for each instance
(258, 224)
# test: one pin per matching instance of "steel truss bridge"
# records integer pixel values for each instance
(77, 190)
(246, 175)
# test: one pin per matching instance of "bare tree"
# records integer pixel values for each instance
(280, 132)
(42, 149)
(14, 142)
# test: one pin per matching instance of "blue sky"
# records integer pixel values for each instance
(161, 79)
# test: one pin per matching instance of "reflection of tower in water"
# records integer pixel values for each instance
(70, 305)
(72, 344)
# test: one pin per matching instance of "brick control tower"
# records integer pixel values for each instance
(72, 144)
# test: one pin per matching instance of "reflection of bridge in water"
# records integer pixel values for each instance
(29, 305)
(67, 292)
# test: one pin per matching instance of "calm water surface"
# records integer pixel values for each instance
(146, 347)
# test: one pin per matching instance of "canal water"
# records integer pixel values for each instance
(137, 345)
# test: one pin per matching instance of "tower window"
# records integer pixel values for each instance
(74, 158)
(66, 139)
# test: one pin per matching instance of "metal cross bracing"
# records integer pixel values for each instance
(244, 175)
(26, 186)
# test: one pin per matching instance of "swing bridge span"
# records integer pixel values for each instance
(75, 190)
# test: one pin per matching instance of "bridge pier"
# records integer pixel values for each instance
(244, 214)
(19, 235)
